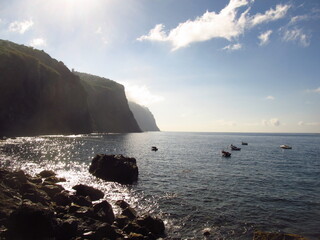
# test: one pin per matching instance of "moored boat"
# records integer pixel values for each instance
(225, 154)
(285, 147)
(234, 148)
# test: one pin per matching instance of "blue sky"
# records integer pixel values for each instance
(199, 65)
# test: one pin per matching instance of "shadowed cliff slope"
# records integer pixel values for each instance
(108, 105)
(144, 117)
(38, 94)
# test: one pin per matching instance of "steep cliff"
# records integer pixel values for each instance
(144, 117)
(108, 105)
(38, 94)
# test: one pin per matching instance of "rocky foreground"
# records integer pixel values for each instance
(39, 208)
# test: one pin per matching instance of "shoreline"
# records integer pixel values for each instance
(40, 208)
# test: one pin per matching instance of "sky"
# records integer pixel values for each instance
(198, 65)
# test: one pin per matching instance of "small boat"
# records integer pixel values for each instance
(244, 143)
(234, 148)
(225, 154)
(285, 147)
(153, 148)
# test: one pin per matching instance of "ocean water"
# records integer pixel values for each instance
(188, 184)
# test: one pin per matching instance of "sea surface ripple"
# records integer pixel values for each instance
(187, 182)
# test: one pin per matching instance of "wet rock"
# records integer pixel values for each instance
(54, 179)
(115, 168)
(105, 230)
(122, 204)
(9, 201)
(136, 236)
(81, 200)
(46, 173)
(31, 221)
(154, 225)
(35, 180)
(52, 190)
(34, 194)
(130, 213)
(92, 193)
(20, 176)
(133, 227)
(67, 229)
(38, 210)
(276, 236)
(104, 211)
(121, 221)
(84, 212)
(62, 199)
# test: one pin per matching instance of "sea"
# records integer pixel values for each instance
(188, 184)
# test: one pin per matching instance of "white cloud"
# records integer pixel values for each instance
(297, 19)
(227, 24)
(264, 37)
(274, 122)
(317, 90)
(271, 15)
(296, 35)
(38, 42)
(100, 33)
(155, 34)
(233, 47)
(141, 95)
(20, 27)
(301, 123)
(270, 98)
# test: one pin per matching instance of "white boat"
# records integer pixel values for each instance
(285, 147)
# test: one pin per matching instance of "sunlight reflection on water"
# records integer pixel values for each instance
(187, 183)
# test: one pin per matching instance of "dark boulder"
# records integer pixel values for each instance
(130, 213)
(81, 200)
(154, 225)
(67, 229)
(122, 204)
(62, 199)
(121, 221)
(53, 179)
(104, 212)
(115, 168)
(52, 190)
(31, 221)
(92, 193)
(47, 173)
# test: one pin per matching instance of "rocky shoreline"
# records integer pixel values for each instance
(40, 208)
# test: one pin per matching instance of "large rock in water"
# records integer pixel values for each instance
(115, 168)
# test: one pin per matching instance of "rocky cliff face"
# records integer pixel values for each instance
(144, 117)
(38, 94)
(108, 105)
